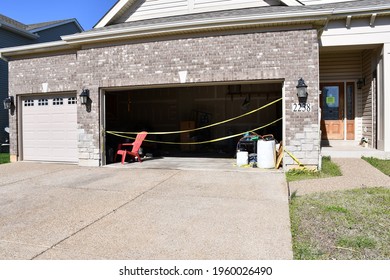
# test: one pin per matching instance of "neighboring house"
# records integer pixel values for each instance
(164, 66)
(14, 33)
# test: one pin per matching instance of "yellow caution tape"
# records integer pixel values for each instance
(294, 158)
(197, 143)
(203, 127)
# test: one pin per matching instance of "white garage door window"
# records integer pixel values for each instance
(49, 127)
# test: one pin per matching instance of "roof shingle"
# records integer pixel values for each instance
(269, 10)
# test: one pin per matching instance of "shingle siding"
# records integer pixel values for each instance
(10, 39)
(55, 33)
(7, 39)
(284, 56)
(3, 89)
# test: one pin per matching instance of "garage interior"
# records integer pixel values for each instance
(182, 108)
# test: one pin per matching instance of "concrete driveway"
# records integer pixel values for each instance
(53, 211)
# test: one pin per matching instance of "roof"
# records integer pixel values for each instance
(269, 16)
(11, 21)
(30, 29)
(121, 6)
(16, 27)
(274, 11)
(50, 24)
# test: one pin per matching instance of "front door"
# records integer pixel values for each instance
(332, 105)
(338, 111)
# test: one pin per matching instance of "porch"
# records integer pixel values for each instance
(350, 149)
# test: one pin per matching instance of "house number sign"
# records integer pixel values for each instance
(301, 107)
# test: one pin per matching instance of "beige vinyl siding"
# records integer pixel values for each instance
(149, 9)
(321, 2)
(366, 97)
(345, 67)
(154, 9)
(340, 66)
(214, 5)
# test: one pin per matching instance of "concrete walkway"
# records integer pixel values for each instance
(357, 173)
(52, 211)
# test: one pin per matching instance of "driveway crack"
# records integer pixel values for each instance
(106, 215)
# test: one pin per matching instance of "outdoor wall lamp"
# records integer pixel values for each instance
(301, 91)
(8, 103)
(84, 97)
(360, 83)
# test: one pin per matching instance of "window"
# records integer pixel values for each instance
(72, 100)
(58, 101)
(29, 103)
(43, 102)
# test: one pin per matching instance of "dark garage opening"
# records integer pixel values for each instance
(182, 108)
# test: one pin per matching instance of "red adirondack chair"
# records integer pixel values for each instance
(134, 150)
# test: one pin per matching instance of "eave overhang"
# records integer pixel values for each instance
(197, 26)
(317, 18)
(56, 46)
(58, 24)
(19, 31)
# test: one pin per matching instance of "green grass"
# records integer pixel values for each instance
(348, 225)
(329, 169)
(381, 164)
(4, 158)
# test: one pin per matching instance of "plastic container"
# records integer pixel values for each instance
(242, 158)
(266, 154)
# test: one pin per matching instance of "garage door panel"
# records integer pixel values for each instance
(49, 126)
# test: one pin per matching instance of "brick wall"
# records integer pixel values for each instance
(27, 76)
(284, 56)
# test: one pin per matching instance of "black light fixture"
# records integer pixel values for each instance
(301, 89)
(360, 83)
(84, 97)
(8, 103)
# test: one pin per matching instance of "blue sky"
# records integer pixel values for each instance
(87, 12)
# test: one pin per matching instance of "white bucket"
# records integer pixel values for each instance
(242, 158)
(266, 154)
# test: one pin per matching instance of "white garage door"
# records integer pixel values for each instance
(49, 127)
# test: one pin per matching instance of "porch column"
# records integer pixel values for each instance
(386, 95)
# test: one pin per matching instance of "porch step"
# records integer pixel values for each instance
(353, 152)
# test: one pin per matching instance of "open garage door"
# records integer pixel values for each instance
(49, 128)
(186, 108)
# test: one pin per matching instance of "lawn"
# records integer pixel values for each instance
(381, 164)
(329, 169)
(348, 225)
(4, 158)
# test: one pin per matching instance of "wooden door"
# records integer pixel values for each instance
(332, 105)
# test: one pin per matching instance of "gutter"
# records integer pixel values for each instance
(361, 10)
(323, 15)
(159, 29)
(34, 48)
(19, 31)
(123, 33)
(3, 58)
(193, 25)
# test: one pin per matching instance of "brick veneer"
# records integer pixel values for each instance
(282, 55)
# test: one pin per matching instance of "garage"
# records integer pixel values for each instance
(167, 109)
(49, 128)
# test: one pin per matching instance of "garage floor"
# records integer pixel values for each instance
(189, 163)
(53, 211)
